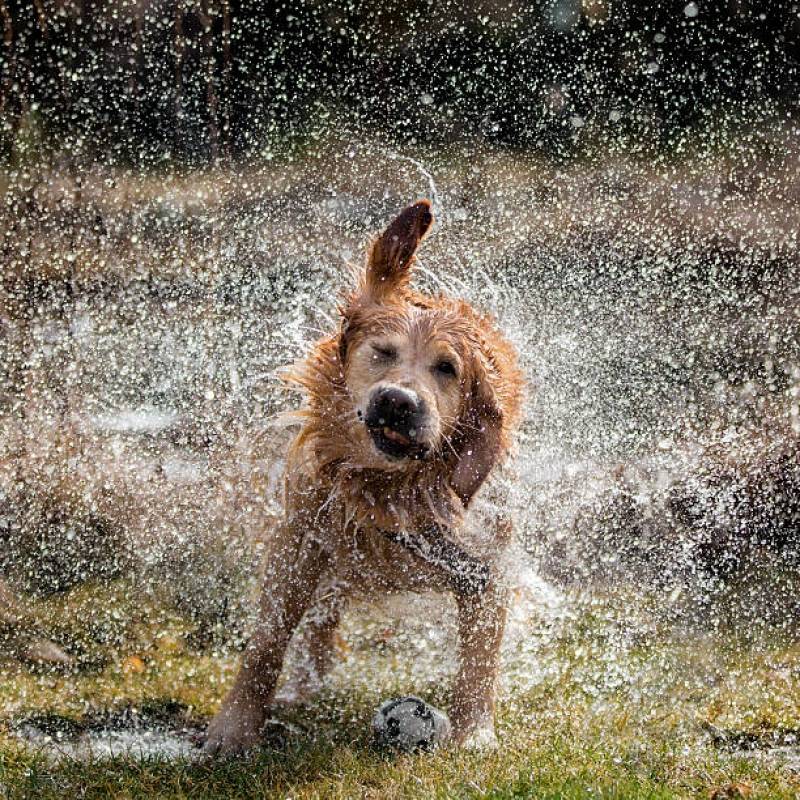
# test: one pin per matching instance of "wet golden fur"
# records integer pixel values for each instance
(490, 393)
(343, 492)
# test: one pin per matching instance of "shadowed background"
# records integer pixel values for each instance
(145, 82)
(185, 187)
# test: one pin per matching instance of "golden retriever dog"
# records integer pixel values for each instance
(410, 405)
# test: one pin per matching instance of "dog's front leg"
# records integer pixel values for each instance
(481, 622)
(316, 644)
(293, 568)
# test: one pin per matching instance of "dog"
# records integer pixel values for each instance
(410, 405)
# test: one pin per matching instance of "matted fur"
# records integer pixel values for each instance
(491, 384)
(331, 435)
(344, 493)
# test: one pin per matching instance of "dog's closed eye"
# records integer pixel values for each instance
(384, 352)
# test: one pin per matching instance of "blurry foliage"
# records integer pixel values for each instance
(150, 80)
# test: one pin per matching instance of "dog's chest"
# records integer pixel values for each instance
(367, 560)
(358, 525)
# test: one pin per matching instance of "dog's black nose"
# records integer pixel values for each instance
(395, 407)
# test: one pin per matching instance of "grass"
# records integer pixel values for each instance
(617, 709)
(608, 701)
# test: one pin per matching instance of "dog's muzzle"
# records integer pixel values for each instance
(394, 418)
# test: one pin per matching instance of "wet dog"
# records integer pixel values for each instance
(410, 406)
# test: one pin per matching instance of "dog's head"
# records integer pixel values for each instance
(428, 378)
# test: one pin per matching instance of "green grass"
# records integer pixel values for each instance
(619, 709)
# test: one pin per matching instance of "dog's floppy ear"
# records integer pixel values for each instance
(482, 440)
(392, 253)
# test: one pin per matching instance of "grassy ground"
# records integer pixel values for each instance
(625, 285)
(598, 705)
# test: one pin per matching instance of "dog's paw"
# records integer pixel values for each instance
(235, 730)
(481, 739)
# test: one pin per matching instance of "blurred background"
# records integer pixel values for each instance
(185, 187)
(149, 82)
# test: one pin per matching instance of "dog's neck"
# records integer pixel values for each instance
(398, 500)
